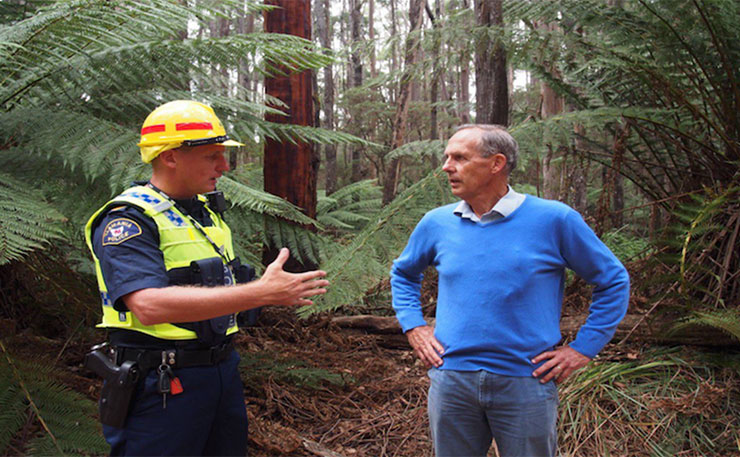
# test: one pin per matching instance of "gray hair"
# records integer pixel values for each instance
(496, 140)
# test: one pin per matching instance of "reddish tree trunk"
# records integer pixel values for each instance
(290, 169)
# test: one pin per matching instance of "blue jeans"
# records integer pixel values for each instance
(208, 418)
(468, 408)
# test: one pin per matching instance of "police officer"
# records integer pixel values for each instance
(163, 258)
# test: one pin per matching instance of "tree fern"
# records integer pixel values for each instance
(12, 407)
(353, 268)
(727, 321)
(350, 207)
(79, 77)
(69, 419)
(27, 221)
(665, 70)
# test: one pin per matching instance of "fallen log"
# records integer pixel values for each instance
(634, 326)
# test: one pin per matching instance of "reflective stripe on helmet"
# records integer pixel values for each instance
(194, 126)
(153, 129)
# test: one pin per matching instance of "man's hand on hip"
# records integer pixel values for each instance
(426, 346)
(563, 362)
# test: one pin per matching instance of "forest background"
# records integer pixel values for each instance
(629, 111)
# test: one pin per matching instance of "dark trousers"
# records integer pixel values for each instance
(208, 418)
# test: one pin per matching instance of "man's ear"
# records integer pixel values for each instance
(498, 164)
(168, 158)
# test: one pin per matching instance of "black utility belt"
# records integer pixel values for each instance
(148, 359)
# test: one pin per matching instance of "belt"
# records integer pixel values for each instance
(174, 357)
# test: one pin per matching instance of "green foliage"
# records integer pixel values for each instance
(366, 258)
(79, 77)
(625, 246)
(665, 407)
(667, 66)
(707, 227)
(28, 222)
(659, 79)
(70, 417)
(727, 321)
(351, 207)
(418, 150)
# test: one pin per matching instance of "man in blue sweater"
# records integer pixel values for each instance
(501, 258)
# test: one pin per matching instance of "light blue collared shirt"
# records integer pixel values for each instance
(505, 206)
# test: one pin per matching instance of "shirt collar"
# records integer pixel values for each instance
(503, 208)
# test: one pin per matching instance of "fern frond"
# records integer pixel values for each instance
(259, 201)
(68, 419)
(365, 260)
(727, 321)
(351, 206)
(27, 221)
(418, 150)
(12, 407)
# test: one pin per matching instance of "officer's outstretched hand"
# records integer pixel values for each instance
(283, 288)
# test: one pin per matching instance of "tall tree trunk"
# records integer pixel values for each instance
(245, 25)
(618, 191)
(580, 171)
(390, 182)
(394, 32)
(356, 22)
(552, 104)
(371, 37)
(244, 81)
(463, 98)
(330, 152)
(491, 84)
(436, 74)
(605, 213)
(290, 169)
(220, 28)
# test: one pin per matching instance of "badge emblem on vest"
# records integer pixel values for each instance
(119, 230)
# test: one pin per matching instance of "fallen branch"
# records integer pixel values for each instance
(633, 325)
(317, 449)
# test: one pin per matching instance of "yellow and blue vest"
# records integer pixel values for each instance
(180, 242)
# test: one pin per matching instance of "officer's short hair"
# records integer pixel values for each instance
(496, 140)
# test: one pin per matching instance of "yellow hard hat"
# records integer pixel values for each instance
(181, 123)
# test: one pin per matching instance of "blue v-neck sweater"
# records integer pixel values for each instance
(501, 285)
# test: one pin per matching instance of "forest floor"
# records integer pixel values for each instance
(314, 389)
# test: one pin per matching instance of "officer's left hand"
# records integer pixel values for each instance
(563, 362)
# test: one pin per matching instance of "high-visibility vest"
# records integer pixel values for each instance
(180, 243)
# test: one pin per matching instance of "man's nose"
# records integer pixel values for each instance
(446, 166)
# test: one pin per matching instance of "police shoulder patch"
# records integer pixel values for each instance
(119, 230)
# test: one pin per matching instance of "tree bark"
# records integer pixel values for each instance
(290, 169)
(491, 82)
(463, 97)
(394, 32)
(371, 37)
(436, 76)
(330, 151)
(551, 105)
(580, 169)
(356, 66)
(390, 182)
